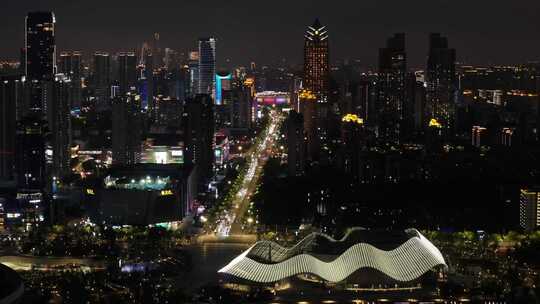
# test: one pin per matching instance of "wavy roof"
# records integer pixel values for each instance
(267, 262)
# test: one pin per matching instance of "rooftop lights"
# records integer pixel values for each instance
(353, 118)
(434, 123)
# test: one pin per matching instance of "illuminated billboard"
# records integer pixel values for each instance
(272, 98)
(163, 155)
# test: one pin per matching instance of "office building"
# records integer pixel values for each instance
(223, 84)
(9, 91)
(308, 109)
(193, 71)
(146, 77)
(40, 56)
(316, 61)
(30, 156)
(40, 46)
(59, 123)
(101, 78)
(198, 121)
(69, 64)
(126, 74)
(313, 100)
(207, 66)
(295, 143)
(126, 129)
(157, 54)
(241, 108)
(391, 88)
(352, 137)
(441, 82)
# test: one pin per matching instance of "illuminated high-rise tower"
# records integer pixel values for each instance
(316, 62)
(207, 65)
(40, 55)
(313, 99)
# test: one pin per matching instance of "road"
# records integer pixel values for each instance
(232, 222)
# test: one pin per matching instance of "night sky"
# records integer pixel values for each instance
(482, 31)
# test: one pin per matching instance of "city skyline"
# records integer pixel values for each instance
(358, 29)
(396, 165)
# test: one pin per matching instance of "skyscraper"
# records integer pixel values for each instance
(223, 83)
(193, 69)
(69, 64)
(8, 99)
(40, 46)
(295, 143)
(207, 66)
(126, 129)
(240, 107)
(198, 121)
(59, 122)
(30, 156)
(40, 61)
(308, 108)
(101, 77)
(127, 71)
(147, 76)
(391, 92)
(157, 55)
(313, 101)
(316, 61)
(440, 79)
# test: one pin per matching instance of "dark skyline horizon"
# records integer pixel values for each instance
(481, 34)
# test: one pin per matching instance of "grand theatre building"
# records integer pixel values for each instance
(363, 260)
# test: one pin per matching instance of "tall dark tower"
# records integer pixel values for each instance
(391, 92)
(10, 89)
(69, 64)
(59, 124)
(40, 46)
(198, 123)
(127, 71)
(157, 55)
(295, 143)
(101, 77)
(316, 62)
(207, 65)
(40, 55)
(441, 82)
(126, 129)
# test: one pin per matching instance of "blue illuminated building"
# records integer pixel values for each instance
(223, 81)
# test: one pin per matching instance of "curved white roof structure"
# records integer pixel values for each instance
(407, 262)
